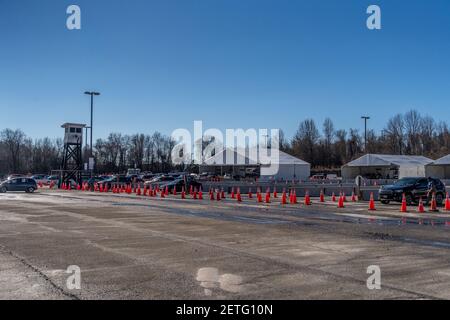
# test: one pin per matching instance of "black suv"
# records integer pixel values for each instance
(414, 189)
(18, 184)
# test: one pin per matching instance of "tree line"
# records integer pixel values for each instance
(404, 134)
(324, 147)
(22, 155)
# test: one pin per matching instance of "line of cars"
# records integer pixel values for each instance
(171, 181)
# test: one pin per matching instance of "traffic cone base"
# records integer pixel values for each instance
(421, 208)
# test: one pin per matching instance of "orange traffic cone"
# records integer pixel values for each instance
(322, 196)
(250, 195)
(307, 199)
(354, 197)
(232, 193)
(341, 202)
(259, 196)
(195, 194)
(183, 193)
(267, 197)
(447, 202)
(421, 208)
(333, 197)
(404, 207)
(275, 194)
(222, 195)
(219, 196)
(284, 198)
(239, 199)
(433, 206)
(372, 203)
(200, 194)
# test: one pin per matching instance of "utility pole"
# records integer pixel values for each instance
(92, 94)
(365, 118)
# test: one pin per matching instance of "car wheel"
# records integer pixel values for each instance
(439, 199)
(3, 190)
(385, 201)
(30, 190)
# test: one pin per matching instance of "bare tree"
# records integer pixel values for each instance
(13, 140)
(305, 140)
(412, 123)
(394, 134)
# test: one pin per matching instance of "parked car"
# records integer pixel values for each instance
(93, 180)
(12, 176)
(179, 183)
(147, 177)
(414, 189)
(318, 177)
(159, 180)
(18, 184)
(115, 180)
(50, 179)
(40, 178)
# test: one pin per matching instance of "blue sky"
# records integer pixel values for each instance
(162, 64)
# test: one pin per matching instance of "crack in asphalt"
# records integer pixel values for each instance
(39, 273)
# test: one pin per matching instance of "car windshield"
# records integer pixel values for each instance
(405, 182)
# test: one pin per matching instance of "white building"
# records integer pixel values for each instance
(384, 166)
(289, 167)
(439, 168)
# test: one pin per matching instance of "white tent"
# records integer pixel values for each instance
(439, 168)
(289, 167)
(386, 166)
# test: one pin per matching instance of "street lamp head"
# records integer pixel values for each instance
(92, 93)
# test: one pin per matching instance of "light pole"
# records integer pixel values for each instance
(365, 118)
(92, 94)
(266, 136)
(86, 136)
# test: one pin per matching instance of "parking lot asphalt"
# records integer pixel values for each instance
(135, 247)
